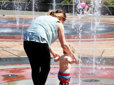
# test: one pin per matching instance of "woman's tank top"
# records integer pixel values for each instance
(43, 29)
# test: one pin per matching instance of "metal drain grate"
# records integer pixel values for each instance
(10, 75)
(93, 73)
(91, 80)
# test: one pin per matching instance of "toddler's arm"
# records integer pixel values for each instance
(69, 59)
(76, 59)
(56, 59)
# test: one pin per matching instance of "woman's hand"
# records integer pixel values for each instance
(54, 54)
(76, 59)
(56, 57)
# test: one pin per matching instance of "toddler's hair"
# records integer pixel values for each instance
(72, 49)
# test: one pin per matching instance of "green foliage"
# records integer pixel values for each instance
(109, 2)
(88, 1)
(67, 2)
(71, 2)
(4, 0)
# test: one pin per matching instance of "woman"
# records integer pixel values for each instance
(42, 32)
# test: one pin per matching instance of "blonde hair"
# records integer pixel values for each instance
(72, 49)
(60, 14)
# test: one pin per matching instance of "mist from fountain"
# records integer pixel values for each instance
(54, 4)
(107, 9)
(77, 26)
(33, 8)
(17, 12)
(94, 24)
(96, 4)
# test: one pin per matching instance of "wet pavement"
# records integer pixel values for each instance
(15, 68)
(17, 71)
(20, 74)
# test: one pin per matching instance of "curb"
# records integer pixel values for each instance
(85, 60)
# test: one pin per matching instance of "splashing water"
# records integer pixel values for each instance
(79, 29)
(33, 8)
(73, 17)
(17, 11)
(96, 4)
(54, 5)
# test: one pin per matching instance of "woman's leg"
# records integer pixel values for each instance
(45, 63)
(39, 58)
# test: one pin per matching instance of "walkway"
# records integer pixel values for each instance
(15, 68)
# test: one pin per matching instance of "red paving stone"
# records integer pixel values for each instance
(103, 35)
(25, 73)
(72, 38)
(15, 25)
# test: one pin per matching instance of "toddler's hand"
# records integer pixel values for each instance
(56, 57)
(78, 60)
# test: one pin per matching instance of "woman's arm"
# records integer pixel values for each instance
(63, 42)
(54, 54)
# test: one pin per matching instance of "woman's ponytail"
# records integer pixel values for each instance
(60, 14)
(51, 12)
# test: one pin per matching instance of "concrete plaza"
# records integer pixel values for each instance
(15, 68)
